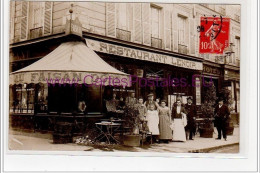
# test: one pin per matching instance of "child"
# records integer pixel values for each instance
(153, 121)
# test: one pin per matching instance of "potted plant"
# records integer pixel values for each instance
(226, 94)
(207, 108)
(131, 137)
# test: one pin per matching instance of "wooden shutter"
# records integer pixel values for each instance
(167, 28)
(12, 21)
(111, 19)
(146, 24)
(24, 20)
(197, 35)
(175, 31)
(192, 36)
(47, 25)
(137, 23)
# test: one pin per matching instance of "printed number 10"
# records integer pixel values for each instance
(204, 45)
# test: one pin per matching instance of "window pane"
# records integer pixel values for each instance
(122, 17)
(94, 99)
(155, 22)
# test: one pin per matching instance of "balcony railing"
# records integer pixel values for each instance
(182, 49)
(35, 33)
(123, 34)
(156, 42)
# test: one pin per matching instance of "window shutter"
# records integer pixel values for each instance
(197, 39)
(137, 23)
(24, 20)
(192, 36)
(146, 23)
(167, 27)
(47, 25)
(175, 31)
(111, 19)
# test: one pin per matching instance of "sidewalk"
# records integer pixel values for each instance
(37, 141)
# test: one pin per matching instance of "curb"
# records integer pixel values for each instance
(206, 150)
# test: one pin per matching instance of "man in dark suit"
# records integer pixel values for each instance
(191, 115)
(221, 116)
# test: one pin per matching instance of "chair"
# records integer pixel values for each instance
(144, 131)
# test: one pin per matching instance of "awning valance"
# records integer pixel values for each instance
(71, 62)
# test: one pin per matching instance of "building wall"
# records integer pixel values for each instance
(175, 29)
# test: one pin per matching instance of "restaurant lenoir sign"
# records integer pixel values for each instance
(142, 55)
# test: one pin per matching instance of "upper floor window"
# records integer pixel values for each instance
(237, 47)
(155, 22)
(37, 8)
(181, 30)
(122, 16)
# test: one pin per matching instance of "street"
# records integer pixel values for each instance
(20, 140)
(230, 149)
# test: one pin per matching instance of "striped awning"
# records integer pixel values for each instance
(71, 61)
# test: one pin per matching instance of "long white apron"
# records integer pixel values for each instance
(178, 130)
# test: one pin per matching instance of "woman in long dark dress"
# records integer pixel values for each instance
(164, 122)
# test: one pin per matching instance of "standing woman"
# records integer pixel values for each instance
(178, 117)
(164, 122)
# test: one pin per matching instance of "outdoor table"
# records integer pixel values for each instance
(106, 130)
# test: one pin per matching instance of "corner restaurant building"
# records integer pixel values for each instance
(71, 56)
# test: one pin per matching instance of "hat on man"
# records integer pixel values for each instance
(220, 99)
(163, 101)
(189, 98)
(149, 95)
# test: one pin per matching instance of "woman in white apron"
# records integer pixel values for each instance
(179, 122)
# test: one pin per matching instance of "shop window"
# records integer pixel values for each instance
(94, 104)
(22, 100)
(42, 98)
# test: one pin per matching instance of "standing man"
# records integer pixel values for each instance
(221, 116)
(131, 101)
(191, 116)
(140, 107)
(150, 102)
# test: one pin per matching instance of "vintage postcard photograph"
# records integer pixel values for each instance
(151, 77)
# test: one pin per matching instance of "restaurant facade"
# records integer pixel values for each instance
(78, 39)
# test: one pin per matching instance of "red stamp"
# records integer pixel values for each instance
(214, 34)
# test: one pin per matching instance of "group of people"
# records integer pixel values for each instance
(167, 125)
(178, 124)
